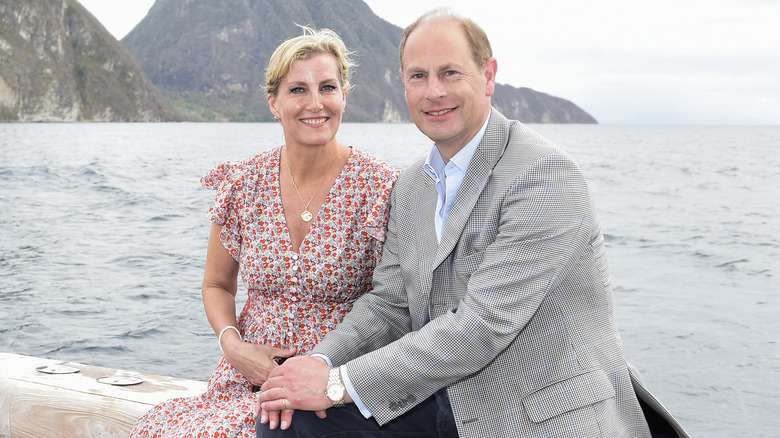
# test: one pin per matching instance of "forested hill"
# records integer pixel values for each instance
(58, 63)
(208, 57)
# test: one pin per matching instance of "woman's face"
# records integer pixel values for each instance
(310, 101)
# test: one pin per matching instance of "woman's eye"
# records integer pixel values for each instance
(297, 90)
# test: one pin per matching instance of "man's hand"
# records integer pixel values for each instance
(297, 384)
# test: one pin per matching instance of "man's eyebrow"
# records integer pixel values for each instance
(448, 67)
(413, 69)
(441, 69)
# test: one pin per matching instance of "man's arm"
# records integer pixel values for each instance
(388, 320)
(380, 316)
(542, 222)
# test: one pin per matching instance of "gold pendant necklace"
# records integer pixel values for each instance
(306, 216)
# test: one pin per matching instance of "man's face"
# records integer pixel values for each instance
(448, 95)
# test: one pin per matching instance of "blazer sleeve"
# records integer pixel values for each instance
(540, 220)
(377, 318)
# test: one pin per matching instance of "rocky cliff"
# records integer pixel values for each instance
(58, 63)
(208, 57)
(531, 106)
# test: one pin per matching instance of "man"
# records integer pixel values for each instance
(493, 292)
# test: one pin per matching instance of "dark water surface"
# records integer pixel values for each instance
(103, 237)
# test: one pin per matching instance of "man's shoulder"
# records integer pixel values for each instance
(526, 143)
(522, 148)
(507, 133)
(413, 173)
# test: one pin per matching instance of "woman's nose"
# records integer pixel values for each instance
(316, 102)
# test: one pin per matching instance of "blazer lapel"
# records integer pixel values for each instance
(485, 158)
(424, 202)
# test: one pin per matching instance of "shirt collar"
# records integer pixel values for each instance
(434, 163)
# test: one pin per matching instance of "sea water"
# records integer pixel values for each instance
(103, 235)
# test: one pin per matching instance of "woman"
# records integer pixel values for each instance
(302, 223)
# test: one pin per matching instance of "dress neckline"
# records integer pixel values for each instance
(335, 188)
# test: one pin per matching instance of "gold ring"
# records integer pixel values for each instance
(284, 404)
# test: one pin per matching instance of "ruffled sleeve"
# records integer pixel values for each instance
(227, 180)
(379, 180)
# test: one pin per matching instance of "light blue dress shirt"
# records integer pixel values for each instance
(448, 178)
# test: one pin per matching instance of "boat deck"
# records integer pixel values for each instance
(37, 404)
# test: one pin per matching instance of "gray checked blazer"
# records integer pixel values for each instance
(511, 311)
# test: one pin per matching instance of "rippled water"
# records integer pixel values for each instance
(103, 237)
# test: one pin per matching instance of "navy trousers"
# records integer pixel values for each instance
(431, 418)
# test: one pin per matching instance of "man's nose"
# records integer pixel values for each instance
(434, 89)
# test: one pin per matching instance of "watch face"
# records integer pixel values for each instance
(335, 392)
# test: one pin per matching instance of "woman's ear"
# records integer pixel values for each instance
(272, 105)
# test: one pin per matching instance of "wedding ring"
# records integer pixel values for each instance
(284, 404)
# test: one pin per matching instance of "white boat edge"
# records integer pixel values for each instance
(38, 404)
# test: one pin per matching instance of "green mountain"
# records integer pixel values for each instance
(58, 63)
(208, 58)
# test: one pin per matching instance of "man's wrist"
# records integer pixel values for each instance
(323, 357)
(334, 389)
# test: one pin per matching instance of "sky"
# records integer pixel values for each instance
(666, 62)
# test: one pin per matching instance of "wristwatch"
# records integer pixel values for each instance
(335, 389)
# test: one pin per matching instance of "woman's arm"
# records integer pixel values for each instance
(220, 285)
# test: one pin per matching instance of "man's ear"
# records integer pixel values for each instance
(491, 67)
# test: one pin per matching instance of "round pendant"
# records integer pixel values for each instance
(306, 216)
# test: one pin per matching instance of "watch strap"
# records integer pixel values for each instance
(334, 378)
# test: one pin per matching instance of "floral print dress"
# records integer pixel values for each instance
(294, 297)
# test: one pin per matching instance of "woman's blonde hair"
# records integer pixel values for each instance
(310, 43)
